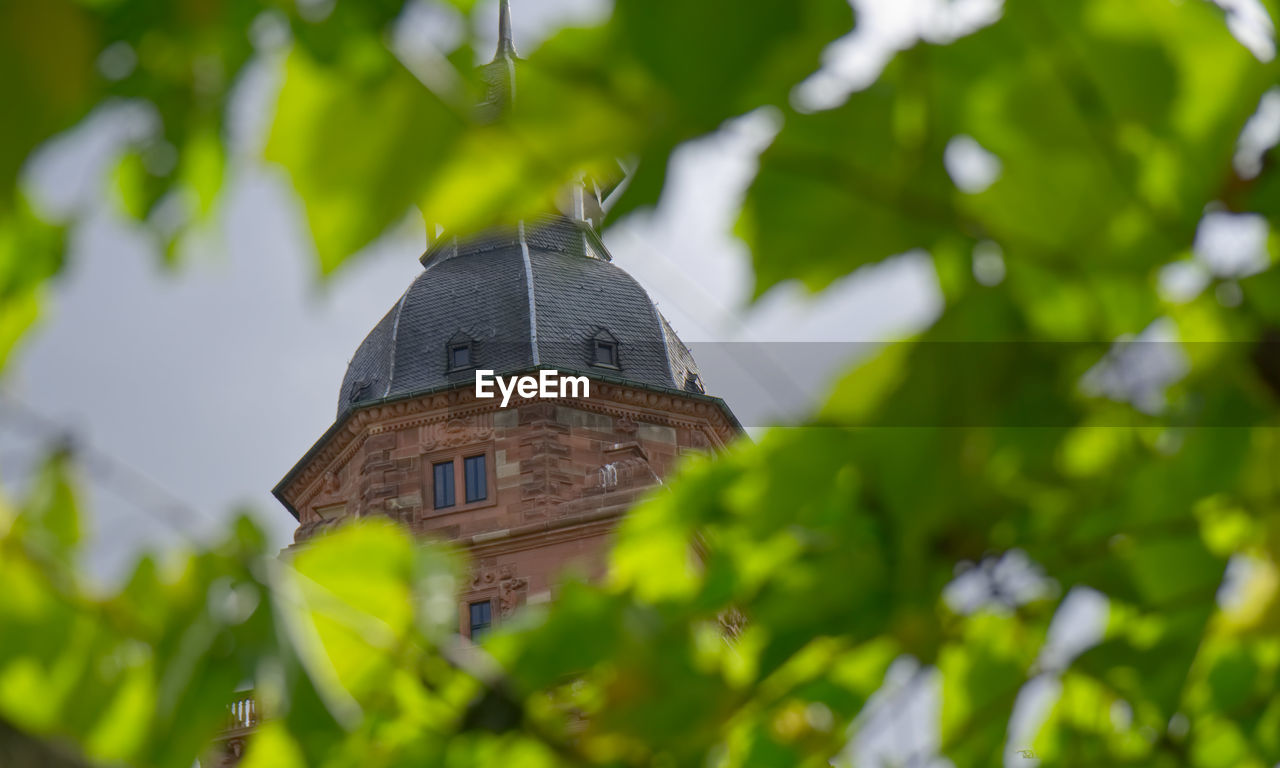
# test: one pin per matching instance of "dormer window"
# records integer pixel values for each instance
(606, 353)
(604, 350)
(460, 352)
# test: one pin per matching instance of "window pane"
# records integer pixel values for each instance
(481, 619)
(460, 356)
(477, 487)
(443, 484)
(605, 353)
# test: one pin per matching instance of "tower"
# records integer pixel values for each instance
(531, 486)
(535, 484)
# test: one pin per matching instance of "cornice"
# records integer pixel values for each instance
(336, 448)
(556, 530)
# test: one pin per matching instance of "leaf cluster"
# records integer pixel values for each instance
(755, 605)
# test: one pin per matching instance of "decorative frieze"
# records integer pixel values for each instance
(455, 418)
(456, 431)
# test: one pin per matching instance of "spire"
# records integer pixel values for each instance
(506, 48)
(499, 75)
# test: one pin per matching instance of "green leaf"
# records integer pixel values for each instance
(50, 520)
(1233, 679)
(710, 61)
(981, 678)
(360, 146)
(1093, 168)
(48, 50)
(31, 252)
(840, 189)
(273, 747)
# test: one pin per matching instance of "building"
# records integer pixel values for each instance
(533, 487)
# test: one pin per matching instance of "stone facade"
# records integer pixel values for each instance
(559, 474)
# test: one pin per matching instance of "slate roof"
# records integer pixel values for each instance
(479, 290)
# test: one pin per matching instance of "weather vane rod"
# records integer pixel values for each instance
(506, 48)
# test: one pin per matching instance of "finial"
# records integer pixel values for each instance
(499, 75)
(506, 48)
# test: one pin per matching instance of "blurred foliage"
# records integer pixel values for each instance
(825, 553)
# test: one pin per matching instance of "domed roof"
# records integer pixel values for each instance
(544, 294)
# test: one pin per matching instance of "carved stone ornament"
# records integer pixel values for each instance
(511, 590)
(485, 577)
(457, 431)
(626, 466)
(332, 483)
